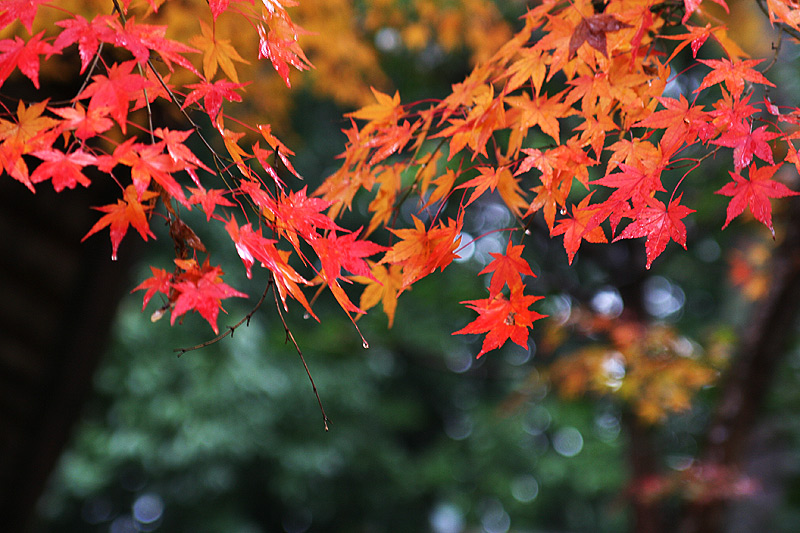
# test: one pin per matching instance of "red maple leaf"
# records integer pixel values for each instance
(279, 44)
(115, 91)
(503, 318)
(139, 39)
(733, 74)
(659, 223)
(574, 228)
(66, 170)
(252, 246)
(346, 252)
(508, 269)
(213, 94)
(147, 162)
(422, 251)
(209, 199)
(25, 55)
(747, 142)
(22, 10)
(86, 34)
(682, 122)
(85, 124)
(203, 295)
(755, 194)
(632, 182)
(160, 281)
(692, 5)
(181, 155)
(128, 211)
(297, 214)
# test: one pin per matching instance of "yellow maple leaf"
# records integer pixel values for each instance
(387, 110)
(384, 288)
(217, 53)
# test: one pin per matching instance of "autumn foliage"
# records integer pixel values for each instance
(578, 122)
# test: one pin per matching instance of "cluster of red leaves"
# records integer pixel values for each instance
(67, 144)
(504, 317)
(587, 93)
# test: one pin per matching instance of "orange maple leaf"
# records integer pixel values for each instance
(30, 132)
(128, 211)
(503, 318)
(574, 228)
(508, 269)
(422, 251)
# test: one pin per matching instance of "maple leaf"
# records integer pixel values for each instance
(252, 246)
(422, 251)
(551, 194)
(682, 123)
(281, 149)
(503, 318)
(25, 55)
(297, 214)
(388, 140)
(382, 205)
(220, 6)
(147, 162)
(386, 111)
(747, 142)
(213, 94)
(574, 228)
(203, 295)
(86, 34)
(64, 169)
(592, 30)
(541, 111)
(508, 268)
(488, 178)
(755, 194)
(160, 281)
(279, 44)
(139, 39)
(22, 10)
(128, 211)
(346, 252)
(692, 5)
(696, 37)
(217, 53)
(486, 115)
(209, 200)
(383, 287)
(784, 11)
(115, 91)
(181, 155)
(85, 124)
(29, 133)
(733, 74)
(633, 182)
(443, 185)
(660, 224)
(530, 66)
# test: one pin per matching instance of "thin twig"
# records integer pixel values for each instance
(230, 329)
(290, 337)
